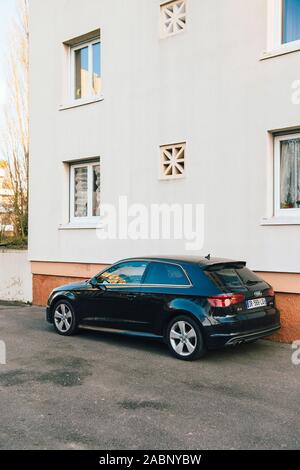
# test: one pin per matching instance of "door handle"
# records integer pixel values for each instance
(131, 296)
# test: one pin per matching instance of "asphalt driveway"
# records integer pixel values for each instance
(105, 391)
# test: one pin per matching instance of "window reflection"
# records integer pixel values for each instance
(291, 20)
(81, 192)
(96, 68)
(87, 70)
(290, 174)
(81, 72)
(96, 191)
(129, 273)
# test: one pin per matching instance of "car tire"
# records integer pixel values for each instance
(185, 339)
(64, 318)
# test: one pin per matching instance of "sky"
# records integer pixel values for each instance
(7, 12)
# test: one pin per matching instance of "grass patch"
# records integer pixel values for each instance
(14, 243)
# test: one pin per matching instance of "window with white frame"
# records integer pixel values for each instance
(284, 23)
(172, 161)
(85, 188)
(290, 21)
(173, 17)
(287, 175)
(86, 70)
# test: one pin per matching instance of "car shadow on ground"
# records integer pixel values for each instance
(126, 340)
(156, 346)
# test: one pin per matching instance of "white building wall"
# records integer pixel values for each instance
(207, 86)
(15, 276)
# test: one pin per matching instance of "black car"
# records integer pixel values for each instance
(194, 304)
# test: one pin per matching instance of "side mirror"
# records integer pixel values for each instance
(94, 283)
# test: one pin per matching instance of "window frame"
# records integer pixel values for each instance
(149, 262)
(279, 212)
(276, 29)
(295, 41)
(90, 218)
(72, 65)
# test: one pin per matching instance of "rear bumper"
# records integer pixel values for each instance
(243, 329)
(221, 340)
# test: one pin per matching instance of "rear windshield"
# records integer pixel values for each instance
(233, 279)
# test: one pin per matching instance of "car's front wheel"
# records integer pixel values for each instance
(185, 339)
(65, 321)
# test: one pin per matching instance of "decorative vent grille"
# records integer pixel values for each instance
(173, 161)
(173, 18)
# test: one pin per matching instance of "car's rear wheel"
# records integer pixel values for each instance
(64, 318)
(185, 339)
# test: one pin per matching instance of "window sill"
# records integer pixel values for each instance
(272, 221)
(82, 226)
(77, 104)
(283, 50)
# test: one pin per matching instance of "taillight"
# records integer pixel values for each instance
(225, 300)
(269, 293)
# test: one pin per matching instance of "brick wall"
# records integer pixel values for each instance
(44, 284)
(289, 306)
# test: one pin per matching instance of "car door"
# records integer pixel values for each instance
(163, 282)
(118, 304)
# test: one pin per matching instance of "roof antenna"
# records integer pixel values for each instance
(208, 257)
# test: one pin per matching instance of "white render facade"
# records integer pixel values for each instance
(215, 77)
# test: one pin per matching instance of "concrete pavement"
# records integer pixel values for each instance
(106, 391)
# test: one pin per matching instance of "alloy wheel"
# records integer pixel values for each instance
(63, 318)
(183, 338)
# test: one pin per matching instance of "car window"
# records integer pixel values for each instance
(125, 273)
(234, 279)
(166, 274)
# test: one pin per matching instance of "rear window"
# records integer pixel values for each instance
(166, 274)
(233, 279)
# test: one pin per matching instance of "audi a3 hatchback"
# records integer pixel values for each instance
(193, 304)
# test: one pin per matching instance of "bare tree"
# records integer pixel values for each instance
(15, 134)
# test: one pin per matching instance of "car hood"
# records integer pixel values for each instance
(74, 286)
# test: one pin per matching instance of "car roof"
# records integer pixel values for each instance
(200, 261)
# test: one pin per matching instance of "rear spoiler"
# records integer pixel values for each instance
(224, 265)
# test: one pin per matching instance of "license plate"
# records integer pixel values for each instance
(256, 303)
